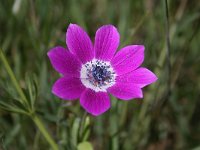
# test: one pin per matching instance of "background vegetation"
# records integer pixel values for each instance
(166, 119)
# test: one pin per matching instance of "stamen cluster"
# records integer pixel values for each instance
(97, 74)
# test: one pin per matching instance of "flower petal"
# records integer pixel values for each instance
(68, 88)
(64, 62)
(140, 76)
(125, 91)
(79, 43)
(106, 42)
(95, 103)
(128, 59)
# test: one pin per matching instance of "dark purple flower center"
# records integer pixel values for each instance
(98, 75)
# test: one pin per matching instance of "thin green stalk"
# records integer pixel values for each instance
(82, 125)
(168, 47)
(24, 101)
(13, 79)
(43, 130)
(123, 114)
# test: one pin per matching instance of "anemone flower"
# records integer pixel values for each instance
(92, 72)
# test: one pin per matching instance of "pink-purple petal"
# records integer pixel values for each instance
(143, 77)
(95, 103)
(128, 59)
(79, 43)
(68, 88)
(140, 76)
(126, 91)
(64, 62)
(106, 42)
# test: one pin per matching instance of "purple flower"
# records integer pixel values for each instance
(90, 72)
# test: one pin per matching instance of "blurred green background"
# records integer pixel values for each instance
(168, 118)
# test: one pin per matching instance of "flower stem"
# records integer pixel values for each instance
(13, 79)
(168, 47)
(44, 131)
(82, 125)
(24, 101)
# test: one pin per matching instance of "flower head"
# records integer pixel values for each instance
(90, 72)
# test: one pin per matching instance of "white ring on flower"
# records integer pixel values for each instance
(87, 75)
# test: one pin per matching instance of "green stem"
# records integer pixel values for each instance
(24, 101)
(14, 80)
(168, 50)
(44, 131)
(82, 125)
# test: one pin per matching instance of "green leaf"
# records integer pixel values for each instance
(32, 85)
(86, 130)
(74, 132)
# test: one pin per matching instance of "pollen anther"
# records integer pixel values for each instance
(97, 75)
